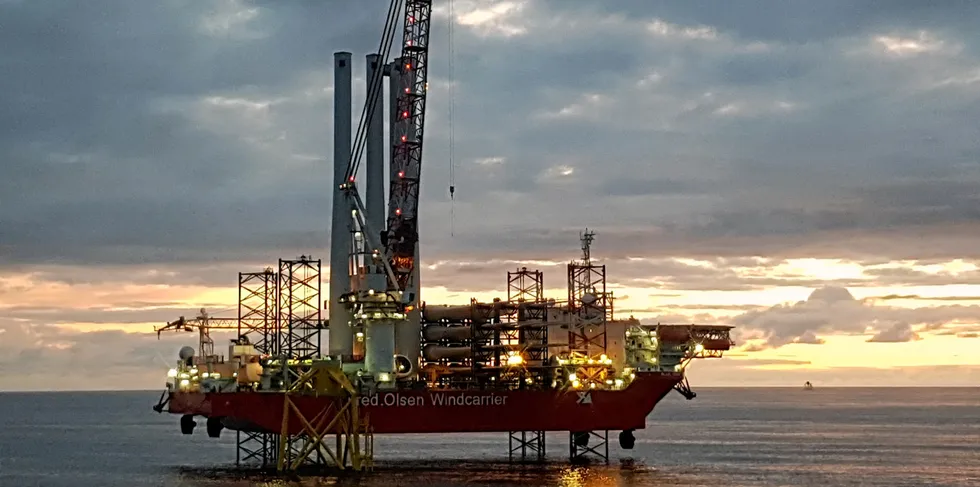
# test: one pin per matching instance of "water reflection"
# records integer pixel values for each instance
(429, 474)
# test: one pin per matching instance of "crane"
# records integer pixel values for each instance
(393, 248)
(204, 324)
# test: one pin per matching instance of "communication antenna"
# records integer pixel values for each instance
(587, 239)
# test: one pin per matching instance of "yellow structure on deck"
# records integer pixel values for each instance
(325, 379)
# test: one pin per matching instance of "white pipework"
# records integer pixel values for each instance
(341, 336)
(379, 334)
(379, 346)
(442, 332)
(375, 161)
(438, 352)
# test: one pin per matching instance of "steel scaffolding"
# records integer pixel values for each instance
(525, 290)
(299, 308)
(257, 310)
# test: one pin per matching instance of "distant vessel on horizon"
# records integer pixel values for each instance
(808, 386)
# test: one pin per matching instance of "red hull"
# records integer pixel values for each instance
(439, 411)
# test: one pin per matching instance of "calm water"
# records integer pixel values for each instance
(785, 437)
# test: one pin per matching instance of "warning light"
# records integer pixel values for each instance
(352, 179)
(404, 138)
(405, 114)
(408, 66)
(401, 174)
(409, 308)
(408, 90)
(398, 211)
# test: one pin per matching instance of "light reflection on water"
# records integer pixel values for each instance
(732, 437)
(627, 473)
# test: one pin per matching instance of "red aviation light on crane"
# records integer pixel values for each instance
(398, 211)
(401, 174)
(403, 263)
(404, 138)
(405, 114)
(408, 66)
(352, 179)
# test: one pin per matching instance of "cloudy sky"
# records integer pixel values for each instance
(805, 171)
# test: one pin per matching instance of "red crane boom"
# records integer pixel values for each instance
(406, 162)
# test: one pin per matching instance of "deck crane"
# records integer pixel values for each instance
(389, 294)
(394, 248)
(204, 324)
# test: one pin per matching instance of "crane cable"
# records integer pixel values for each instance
(452, 114)
(387, 39)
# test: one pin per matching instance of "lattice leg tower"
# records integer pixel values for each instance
(299, 308)
(582, 444)
(339, 417)
(257, 309)
(529, 444)
(590, 301)
(257, 449)
(257, 322)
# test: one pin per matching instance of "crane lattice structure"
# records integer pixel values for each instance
(204, 323)
(394, 247)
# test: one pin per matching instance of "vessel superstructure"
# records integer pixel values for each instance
(524, 365)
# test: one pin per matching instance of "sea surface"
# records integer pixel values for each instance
(725, 437)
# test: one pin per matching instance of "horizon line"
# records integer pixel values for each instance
(56, 391)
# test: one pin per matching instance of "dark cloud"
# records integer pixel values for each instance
(203, 135)
(179, 142)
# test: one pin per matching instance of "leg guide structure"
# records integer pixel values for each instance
(529, 444)
(256, 449)
(579, 446)
(354, 440)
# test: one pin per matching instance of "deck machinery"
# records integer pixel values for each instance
(523, 365)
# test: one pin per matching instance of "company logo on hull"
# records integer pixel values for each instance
(394, 399)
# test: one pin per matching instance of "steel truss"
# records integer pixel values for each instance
(525, 286)
(256, 449)
(340, 417)
(530, 445)
(486, 343)
(525, 289)
(257, 299)
(590, 302)
(588, 298)
(579, 447)
(406, 159)
(299, 308)
(257, 307)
